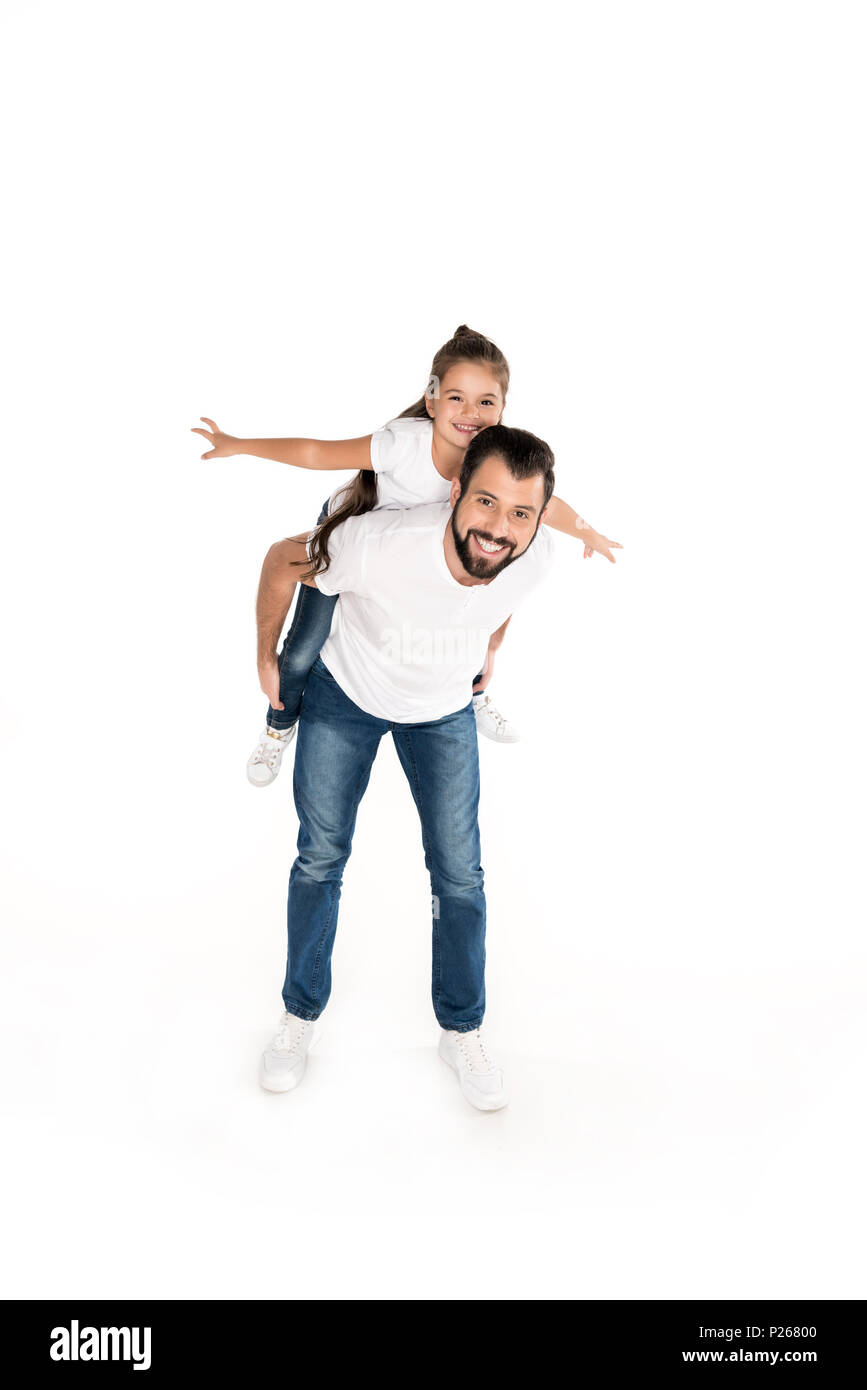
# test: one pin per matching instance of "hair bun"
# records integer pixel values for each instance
(463, 332)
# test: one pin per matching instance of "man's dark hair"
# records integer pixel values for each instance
(524, 454)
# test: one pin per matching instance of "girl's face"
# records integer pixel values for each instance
(470, 399)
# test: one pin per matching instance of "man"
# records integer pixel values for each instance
(421, 591)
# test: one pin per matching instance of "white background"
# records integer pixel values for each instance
(273, 215)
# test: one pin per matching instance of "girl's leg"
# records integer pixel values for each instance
(306, 636)
(310, 627)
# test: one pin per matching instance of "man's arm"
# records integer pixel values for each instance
(561, 517)
(495, 641)
(273, 601)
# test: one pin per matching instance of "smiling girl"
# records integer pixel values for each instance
(410, 461)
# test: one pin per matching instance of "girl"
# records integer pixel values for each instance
(411, 461)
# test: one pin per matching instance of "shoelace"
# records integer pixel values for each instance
(267, 752)
(289, 1034)
(473, 1048)
(494, 713)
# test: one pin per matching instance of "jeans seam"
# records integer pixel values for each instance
(437, 968)
(333, 911)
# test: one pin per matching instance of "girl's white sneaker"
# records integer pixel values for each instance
(285, 1058)
(263, 763)
(491, 723)
(481, 1078)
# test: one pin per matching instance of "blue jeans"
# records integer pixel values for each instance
(336, 745)
(306, 637)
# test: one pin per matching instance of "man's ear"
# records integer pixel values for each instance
(454, 491)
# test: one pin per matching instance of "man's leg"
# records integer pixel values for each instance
(441, 762)
(337, 743)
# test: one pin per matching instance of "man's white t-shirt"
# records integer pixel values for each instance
(407, 638)
(401, 456)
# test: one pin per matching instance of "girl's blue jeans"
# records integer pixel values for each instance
(306, 637)
(335, 748)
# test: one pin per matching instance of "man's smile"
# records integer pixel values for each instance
(486, 547)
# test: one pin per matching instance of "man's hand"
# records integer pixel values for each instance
(487, 669)
(594, 541)
(225, 445)
(269, 680)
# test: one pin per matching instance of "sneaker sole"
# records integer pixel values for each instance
(512, 738)
(270, 782)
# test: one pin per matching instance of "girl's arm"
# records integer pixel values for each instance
(349, 454)
(561, 516)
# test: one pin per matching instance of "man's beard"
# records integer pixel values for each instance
(473, 563)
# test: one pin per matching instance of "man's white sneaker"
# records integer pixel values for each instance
(263, 763)
(285, 1058)
(481, 1078)
(491, 723)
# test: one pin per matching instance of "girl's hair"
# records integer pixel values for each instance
(359, 495)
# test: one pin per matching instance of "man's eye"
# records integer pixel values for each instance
(522, 516)
(486, 501)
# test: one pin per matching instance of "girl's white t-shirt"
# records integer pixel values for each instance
(406, 475)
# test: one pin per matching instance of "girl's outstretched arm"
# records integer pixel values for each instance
(561, 516)
(349, 454)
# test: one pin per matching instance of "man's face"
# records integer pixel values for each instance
(495, 522)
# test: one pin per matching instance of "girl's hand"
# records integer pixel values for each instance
(602, 544)
(225, 445)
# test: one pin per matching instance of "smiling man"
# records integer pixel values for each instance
(449, 574)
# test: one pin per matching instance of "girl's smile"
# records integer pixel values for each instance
(469, 398)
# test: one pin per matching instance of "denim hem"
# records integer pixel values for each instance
(272, 725)
(461, 1028)
(304, 1014)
